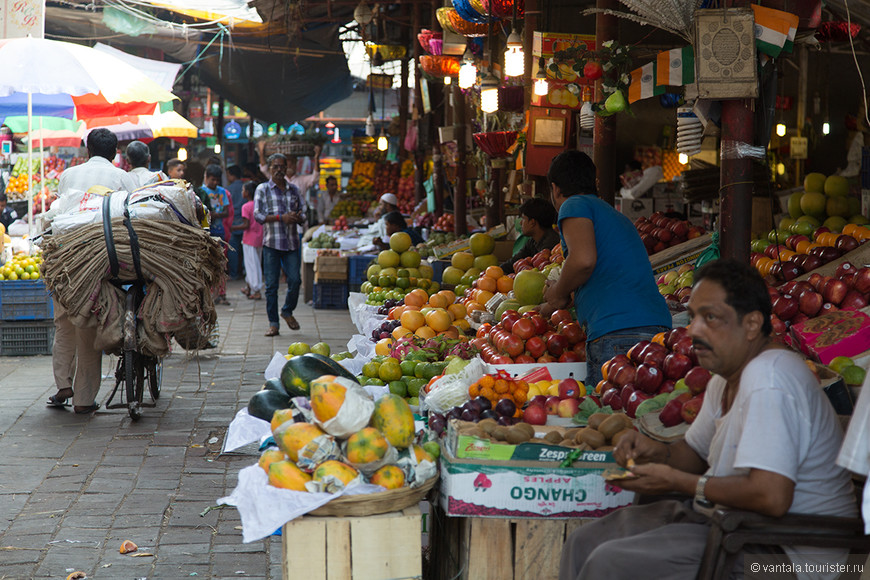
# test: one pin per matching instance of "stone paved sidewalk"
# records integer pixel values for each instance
(73, 487)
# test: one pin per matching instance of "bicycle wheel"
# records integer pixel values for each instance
(155, 377)
(133, 379)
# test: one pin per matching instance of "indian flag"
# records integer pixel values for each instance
(675, 67)
(772, 29)
(643, 83)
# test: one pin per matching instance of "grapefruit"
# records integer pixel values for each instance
(462, 260)
(810, 220)
(835, 223)
(786, 223)
(859, 220)
(794, 205)
(814, 183)
(485, 261)
(400, 242)
(837, 206)
(374, 270)
(529, 287)
(837, 186)
(481, 244)
(505, 306)
(813, 203)
(388, 259)
(803, 227)
(426, 271)
(452, 275)
(409, 259)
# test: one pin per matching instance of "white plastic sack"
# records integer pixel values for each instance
(245, 429)
(354, 414)
(273, 369)
(452, 390)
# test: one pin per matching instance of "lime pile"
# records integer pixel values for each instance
(21, 267)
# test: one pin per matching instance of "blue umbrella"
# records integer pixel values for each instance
(15, 105)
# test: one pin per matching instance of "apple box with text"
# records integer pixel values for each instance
(840, 333)
(525, 489)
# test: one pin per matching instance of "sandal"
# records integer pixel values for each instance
(246, 291)
(255, 296)
(222, 300)
(58, 401)
(291, 322)
(273, 331)
(86, 410)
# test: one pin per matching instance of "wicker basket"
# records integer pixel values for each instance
(291, 148)
(370, 504)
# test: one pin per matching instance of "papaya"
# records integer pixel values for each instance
(291, 437)
(264, 404)
(393, 417)
(327, 397)
(286, 475)
(298, 372)
(270, 456)
(366, 446)
(281, 416)
(388, 476)
(341, 471)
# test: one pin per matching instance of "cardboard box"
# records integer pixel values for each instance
(577, 370)
(362, 548)
(464, 446)
(330, 269)
(447, 250)
(528, 489)
(841, 333)
(676, 256)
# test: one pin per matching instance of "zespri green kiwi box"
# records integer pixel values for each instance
(463, 446)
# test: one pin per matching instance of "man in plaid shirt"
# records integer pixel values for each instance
(279, 206)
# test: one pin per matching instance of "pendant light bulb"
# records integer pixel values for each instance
(467, 71)
(514, 57)
(826, 128)
(448, 81)
(383, 143)
(182, 154)
(780, 129)
(542, 85)
(489, 95)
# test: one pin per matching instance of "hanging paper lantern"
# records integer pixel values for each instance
(440, 66)
(425, 35)
(452, 21)
(467, 11)
(495, 143)
(504, 8)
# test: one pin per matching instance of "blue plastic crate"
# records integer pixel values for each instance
(438, 267)
(357, 266)
(330, 295)
(25, 300)
(26, 338)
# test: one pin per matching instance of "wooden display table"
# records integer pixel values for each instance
(497, 548)
(354, 548)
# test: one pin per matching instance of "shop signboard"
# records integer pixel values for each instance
(22, 18)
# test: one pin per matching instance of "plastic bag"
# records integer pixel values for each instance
(452, 390)
(711, 254)
(354, 413)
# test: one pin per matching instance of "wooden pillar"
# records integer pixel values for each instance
(438, 179)
(403, 88)
(604, 144)
(460, 209)
(419, 118)
(530, 24)
(803, 81)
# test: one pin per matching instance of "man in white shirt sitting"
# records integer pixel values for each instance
(139, 157)
(765, 440)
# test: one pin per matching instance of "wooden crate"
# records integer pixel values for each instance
(497, 548)
(358, 548)
(330, 268)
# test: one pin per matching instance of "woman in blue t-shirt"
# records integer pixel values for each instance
(606, 267)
